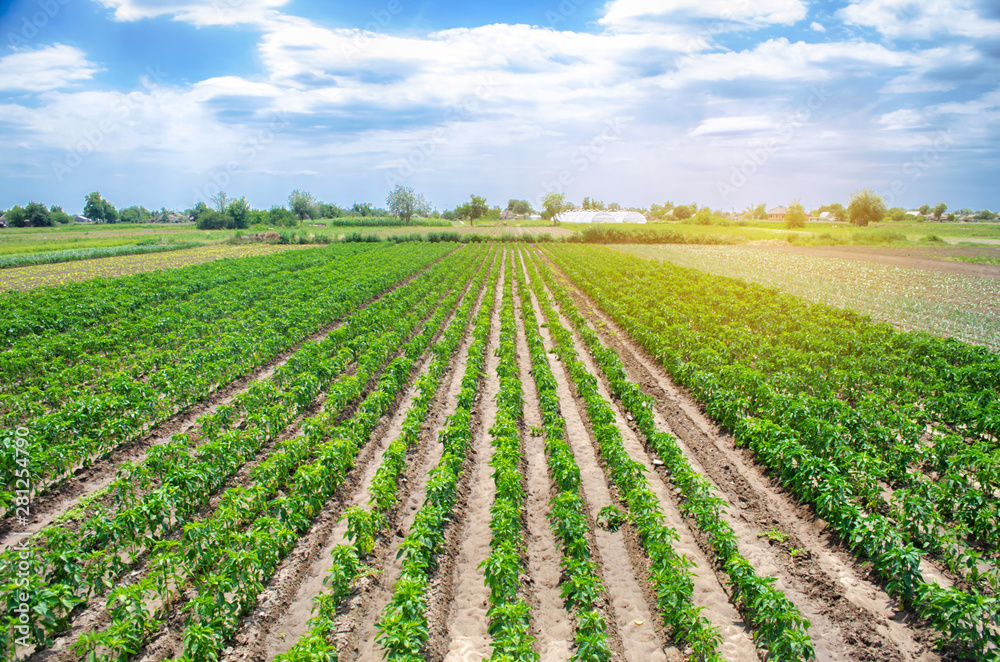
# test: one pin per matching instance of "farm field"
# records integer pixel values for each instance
(960, 305)
(61, 273)
(432, 451)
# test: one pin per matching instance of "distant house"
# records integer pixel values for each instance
(776, 214)
(81, 219)
(507, 215)
(171, 217)
(3, 221)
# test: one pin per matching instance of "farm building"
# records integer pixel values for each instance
(600, 217)
(776, 214)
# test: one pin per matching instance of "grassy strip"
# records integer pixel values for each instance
(28, 259)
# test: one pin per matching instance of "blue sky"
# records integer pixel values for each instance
(723, 102)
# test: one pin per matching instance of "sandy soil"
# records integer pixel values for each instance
(468, 638)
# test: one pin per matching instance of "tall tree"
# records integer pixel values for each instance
(239, 211)
(477, 207)
(866, 207)
(796, 215)
(36, 215)
(552, 204)
(98, 209)
(302, 204)
(221, 201)
(404, 203)
(939, 210)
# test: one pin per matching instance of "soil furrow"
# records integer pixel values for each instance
(287, 604)
(552, 625)
(467, 636)
(629, 594)
(770, 523)
(709, 591)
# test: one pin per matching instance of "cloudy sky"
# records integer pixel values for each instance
(722, 102)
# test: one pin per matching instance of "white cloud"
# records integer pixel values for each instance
(818, 27)
(48, 68)
(920, 19)
(215, 12)
(716, 125)
(779, 59)
(635, 14)
(905, 118)
(915, 83)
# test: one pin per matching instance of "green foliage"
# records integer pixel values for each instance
(36, 215)
(16, 216)
(795, 216)
(552, 204)
(302, 205)
(135, 214)
(98, 209)
(239, 210)
(866, 207)
(279, 216)
(211, 219)
(404, 203)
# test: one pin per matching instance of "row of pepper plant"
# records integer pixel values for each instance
(509, 613)
(670, 573)
(824, 422)
(84, 562)
(227, 565)
(777, 623)
(348, 560)
(402, 625)
(581, 587)
(79, 409)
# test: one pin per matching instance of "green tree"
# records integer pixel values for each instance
(614, 206)
(279, 216)
(327, 210)
(552, 204)
(477, 208)
(519, 207)
(213, 219)
(796, 216)
(302, 204)
(404, 203)
(682, 212)
(134, 214)
(16, 216)
(939, 210)
(239, 210)
(866, 207)
(221, 201)
(704, 216)
(57, 215)
(924, 209)
(98, 209)
(838, 211)
(895, 213)
(37, 215)
(363, 209)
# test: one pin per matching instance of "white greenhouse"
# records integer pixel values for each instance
(600, 217)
